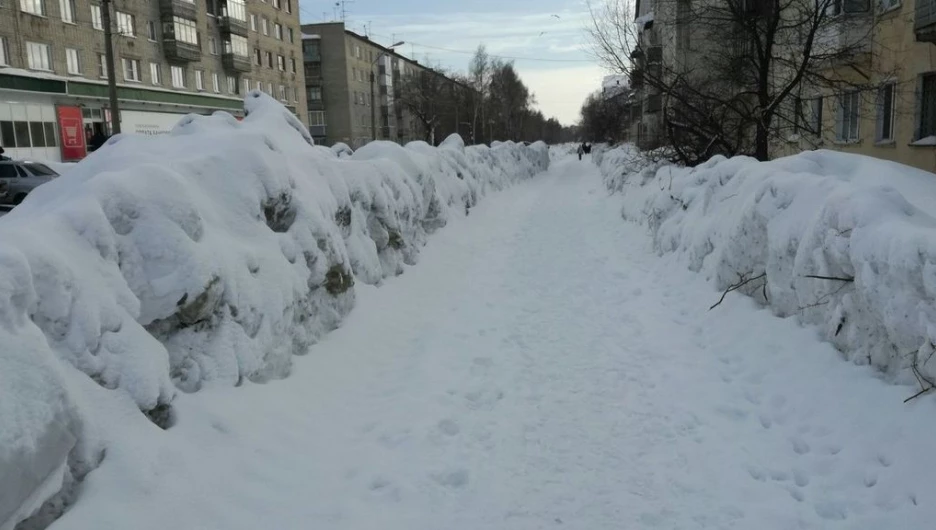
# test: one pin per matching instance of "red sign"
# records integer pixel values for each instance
(71, 132)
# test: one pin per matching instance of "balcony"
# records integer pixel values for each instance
(178, 51)
(655, 55)
(235, 63)
(637, 78)
(845, 40)
(232, 26)
(178, 8)
(924, 24)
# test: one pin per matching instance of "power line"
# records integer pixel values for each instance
(509, 57)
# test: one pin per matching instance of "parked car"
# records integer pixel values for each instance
(21, 177)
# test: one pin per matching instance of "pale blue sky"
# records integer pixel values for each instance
(551, 53)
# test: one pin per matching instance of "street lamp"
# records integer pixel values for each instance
(372, 95)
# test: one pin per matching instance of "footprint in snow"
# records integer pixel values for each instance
(448, 427)
(454, 479)
(800, 446)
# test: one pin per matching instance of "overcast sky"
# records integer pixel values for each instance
(550, 51)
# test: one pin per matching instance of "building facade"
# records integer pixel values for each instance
(351, 83)
(888, 106)
(172, 57)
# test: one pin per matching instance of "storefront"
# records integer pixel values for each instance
(60, 120)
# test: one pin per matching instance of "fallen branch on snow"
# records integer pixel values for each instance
(742, 281)
(832, 278)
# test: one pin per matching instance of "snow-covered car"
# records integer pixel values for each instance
(21, 177)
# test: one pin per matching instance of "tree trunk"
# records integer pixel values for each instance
(762, 142)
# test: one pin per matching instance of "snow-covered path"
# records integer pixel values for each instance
(540, 368)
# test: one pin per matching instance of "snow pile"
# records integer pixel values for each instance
(211, 255)
(838, 240)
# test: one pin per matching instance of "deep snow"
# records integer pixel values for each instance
(209, 256)
(821, 213)
(540, 368)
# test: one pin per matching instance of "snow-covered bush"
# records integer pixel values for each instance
(843, 241)
(213, 255)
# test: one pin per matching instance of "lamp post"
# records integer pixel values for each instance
(372, 95)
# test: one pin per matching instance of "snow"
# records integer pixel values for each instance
(208, 257)
(926, 141)
(818, 213)
(541, 367)
(642, 20)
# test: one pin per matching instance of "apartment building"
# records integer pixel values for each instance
(172, 57)
(878, 96)
(344, 104)
(888, 107)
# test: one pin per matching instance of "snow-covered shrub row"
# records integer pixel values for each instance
(844, 241)
(213, 254)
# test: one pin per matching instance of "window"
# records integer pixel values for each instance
(212, 46)
(67, 7)
(812, 115)
(927, 99)
(151, 30)
(72, 61)
(35, 7)
(4, 58)
(236, 9)
(237, 46)
(264, 26)
(126, 24)
(199, 80)
(889, 4)
(96, 20)
(288, 5)
(282, 93)
(131, 69)
(281, 63)
(253, 22)
(357, 51)
(260, 86)
(269, 89)
(290, 35)
(310, 50)
(178, 76)
(278, 31)
(231, 84)
(102, 66)
(246, 83)
(293, 65)
(39, 56)
(156, 73)
(269, 59)
(185, 30)
(276, 4)
(258, 57)
(837, 7)
(215, 83)
(314, 93)
(885, 112)
(848, 116)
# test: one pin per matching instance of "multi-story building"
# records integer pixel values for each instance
(876, 60)
(172, 57)
(350, 82)
(886, 104)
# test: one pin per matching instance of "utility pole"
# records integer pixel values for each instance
(373, 102)
(111, 70)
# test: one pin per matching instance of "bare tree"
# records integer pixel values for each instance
(732, 78)
(425, 95)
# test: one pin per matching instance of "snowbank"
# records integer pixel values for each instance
(211, 255)
(842, 241)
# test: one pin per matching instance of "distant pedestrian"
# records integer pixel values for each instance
(587, 147)
(98, 140)
(581, 151)
(3, 156)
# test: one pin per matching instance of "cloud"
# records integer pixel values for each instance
(560, 92)
(549, 52)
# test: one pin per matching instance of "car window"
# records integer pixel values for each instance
(22, 172)
(7, 171)
(41, 170)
